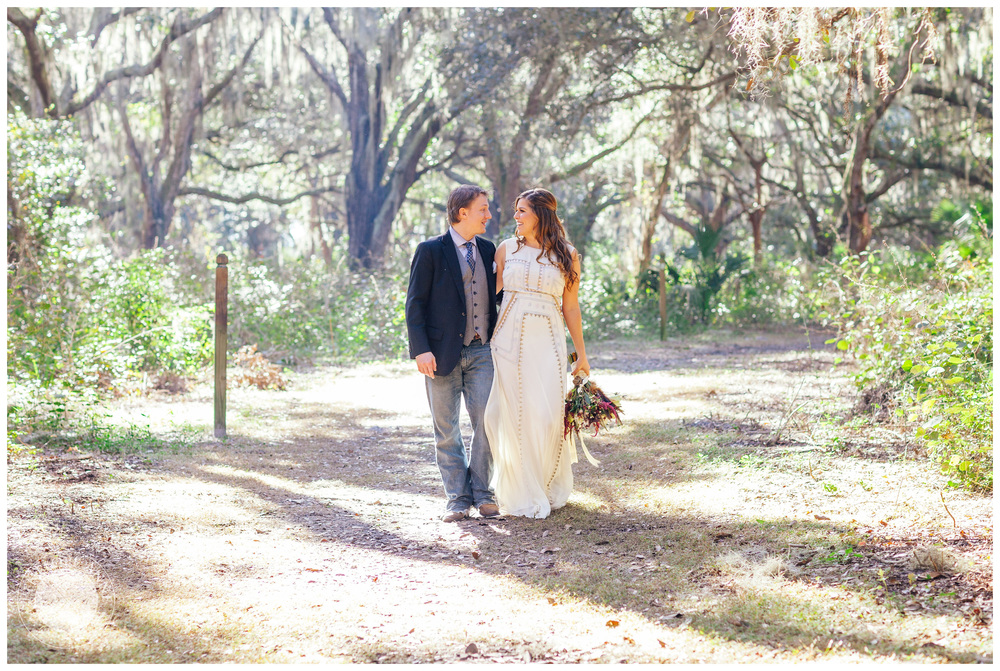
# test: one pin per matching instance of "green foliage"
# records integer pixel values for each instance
(157, 324)
(302, 308)
(774, 292)
(81, 322)
(45, 173)
(930, 341)
(121, 440)
(707, 272)
(612, 303)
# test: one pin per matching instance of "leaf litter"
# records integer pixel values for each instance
(360, 517)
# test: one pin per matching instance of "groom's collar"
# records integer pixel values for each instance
(458, 239)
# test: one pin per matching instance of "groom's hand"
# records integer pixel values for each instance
(427, 364)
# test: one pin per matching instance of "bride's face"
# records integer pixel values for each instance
(527, 220)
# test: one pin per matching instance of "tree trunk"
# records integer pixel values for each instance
(854, 214)
(756, 218)
(649, 230)
(160, 193)
(316, 225)
(375, 193)
(678, 143)
(37, 64)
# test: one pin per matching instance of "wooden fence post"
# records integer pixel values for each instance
(663, 302)
(221, 337)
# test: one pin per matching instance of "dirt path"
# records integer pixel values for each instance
(740, 515)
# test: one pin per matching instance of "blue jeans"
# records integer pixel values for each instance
(465, 473)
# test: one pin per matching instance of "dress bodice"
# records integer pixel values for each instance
(524, 272)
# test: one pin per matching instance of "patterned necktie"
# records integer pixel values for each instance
(468, 255)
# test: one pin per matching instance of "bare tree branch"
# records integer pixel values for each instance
(102, 21)
(584, 165)
(976, 177)
(246, 198)
(178, 30)
(982, 107)
(228, 78)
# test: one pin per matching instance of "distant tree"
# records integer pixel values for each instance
(381, 66)
(56, 44)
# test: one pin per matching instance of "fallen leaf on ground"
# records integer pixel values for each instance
(612, 623)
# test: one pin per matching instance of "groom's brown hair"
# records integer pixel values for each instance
(461, 197)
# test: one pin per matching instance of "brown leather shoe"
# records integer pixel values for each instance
(489, 510)
(453, 516)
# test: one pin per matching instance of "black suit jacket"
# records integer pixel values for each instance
(435, 300)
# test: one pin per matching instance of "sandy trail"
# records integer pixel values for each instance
(312, 533)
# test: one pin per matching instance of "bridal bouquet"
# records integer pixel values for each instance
(588, 407)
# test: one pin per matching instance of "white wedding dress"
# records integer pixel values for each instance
(532, 460)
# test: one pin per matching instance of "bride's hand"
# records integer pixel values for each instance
(581, 367)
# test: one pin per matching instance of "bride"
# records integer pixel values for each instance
(539, 273)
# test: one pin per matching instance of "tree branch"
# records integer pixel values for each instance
(36, 56)
(890, 180)
(977, 177)
(328, 77)
(231, 167)
(99, 24)
(682, 224)
(177, 31)
(228, 78)
(982, 107)
(628, 95)
(246, 198)
(580, 167)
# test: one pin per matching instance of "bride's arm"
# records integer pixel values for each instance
(498, 259)
(574, 320)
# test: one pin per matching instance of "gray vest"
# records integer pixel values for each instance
(477, 309)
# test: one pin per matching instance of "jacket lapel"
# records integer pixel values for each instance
(449, 259)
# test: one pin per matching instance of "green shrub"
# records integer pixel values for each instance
(930, 341)
(773, 292)
(301, 309)
(612, 304)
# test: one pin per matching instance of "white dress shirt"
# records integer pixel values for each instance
(460, 244)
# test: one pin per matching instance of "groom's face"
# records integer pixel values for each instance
(478, 214)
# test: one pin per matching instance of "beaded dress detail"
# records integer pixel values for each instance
(532, 460)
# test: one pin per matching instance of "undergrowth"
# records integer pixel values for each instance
(921, 328)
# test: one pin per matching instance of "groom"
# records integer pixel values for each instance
(450, 315)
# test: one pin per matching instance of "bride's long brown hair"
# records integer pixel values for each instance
(550, 231)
